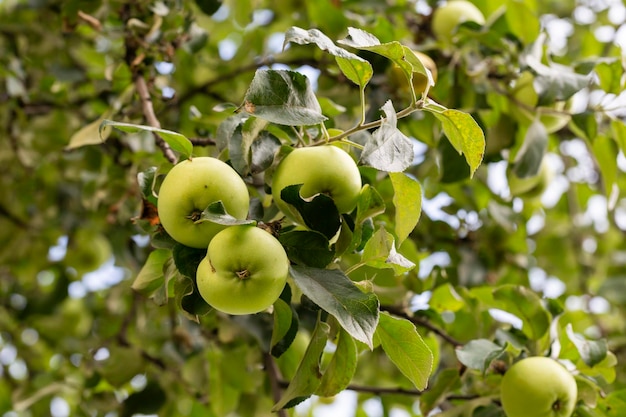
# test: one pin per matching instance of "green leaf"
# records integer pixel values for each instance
(407, 199)
(610, 73)
(308, 376)
(341, 369)
(463, 133)
(388, 149)
(527, 306)
(283, 97)
(179, 143)
(399, 54)
(333, 291)
(263, 150)
(522, 21)
(380, 252)
(319, 213)
(188, 299)
(370, 203)
(216, 213)
(528, 159)
(478, 354)
(453, 166)
(309, 248)
(147, 401)
(355, 68)
(553, 82)
(592, 352)
(447, 380)
(405, 348)
(285, 327)
(445, 298)
(606, 152)
(614, 405)
(187, 259)
(146, 181)
(150, 276)
(618, 130)
(91, 134)
(241, 142)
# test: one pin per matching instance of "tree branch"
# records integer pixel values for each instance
(421, 322)
(151, 119)
(275, 381)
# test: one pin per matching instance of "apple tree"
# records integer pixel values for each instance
(255, 208)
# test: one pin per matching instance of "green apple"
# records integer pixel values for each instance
(321, 170)
(244, 271)
(189, 188)
(447, 17)
(531, 187)
(398, 81)
(523, 106)
(538, 387)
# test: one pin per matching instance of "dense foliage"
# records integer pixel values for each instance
(490, 227)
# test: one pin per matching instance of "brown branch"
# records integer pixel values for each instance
(422, 322)
(202, 141)
(275, 381)
(151, 119)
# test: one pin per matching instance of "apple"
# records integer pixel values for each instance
(447, 17)
(323, 169)
(531, 187)
(524, 109)
(398, 81)
(538, 387)
(189, 188)
(244, 271)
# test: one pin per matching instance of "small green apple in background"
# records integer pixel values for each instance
(538, 387)
(524, 108)
(321, 170)
(398, 81)
(189, 188)
(447, 17)
(244, 271)
(531, 187)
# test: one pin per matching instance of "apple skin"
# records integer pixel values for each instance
(447, 17)
(189, 188)
(244, 271)
(323, 169)
(538, 387)
(531, 187)
(397, 80)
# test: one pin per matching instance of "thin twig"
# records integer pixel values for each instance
(275, 381)
(202, 141)
(151, 119)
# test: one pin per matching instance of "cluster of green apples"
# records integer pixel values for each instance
(246, 267)
(538, 386)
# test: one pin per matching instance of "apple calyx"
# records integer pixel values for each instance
(242, 275)
(556, 406)
(195, 215)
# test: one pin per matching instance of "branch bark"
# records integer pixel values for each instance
(151, 119)
(275, 381)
